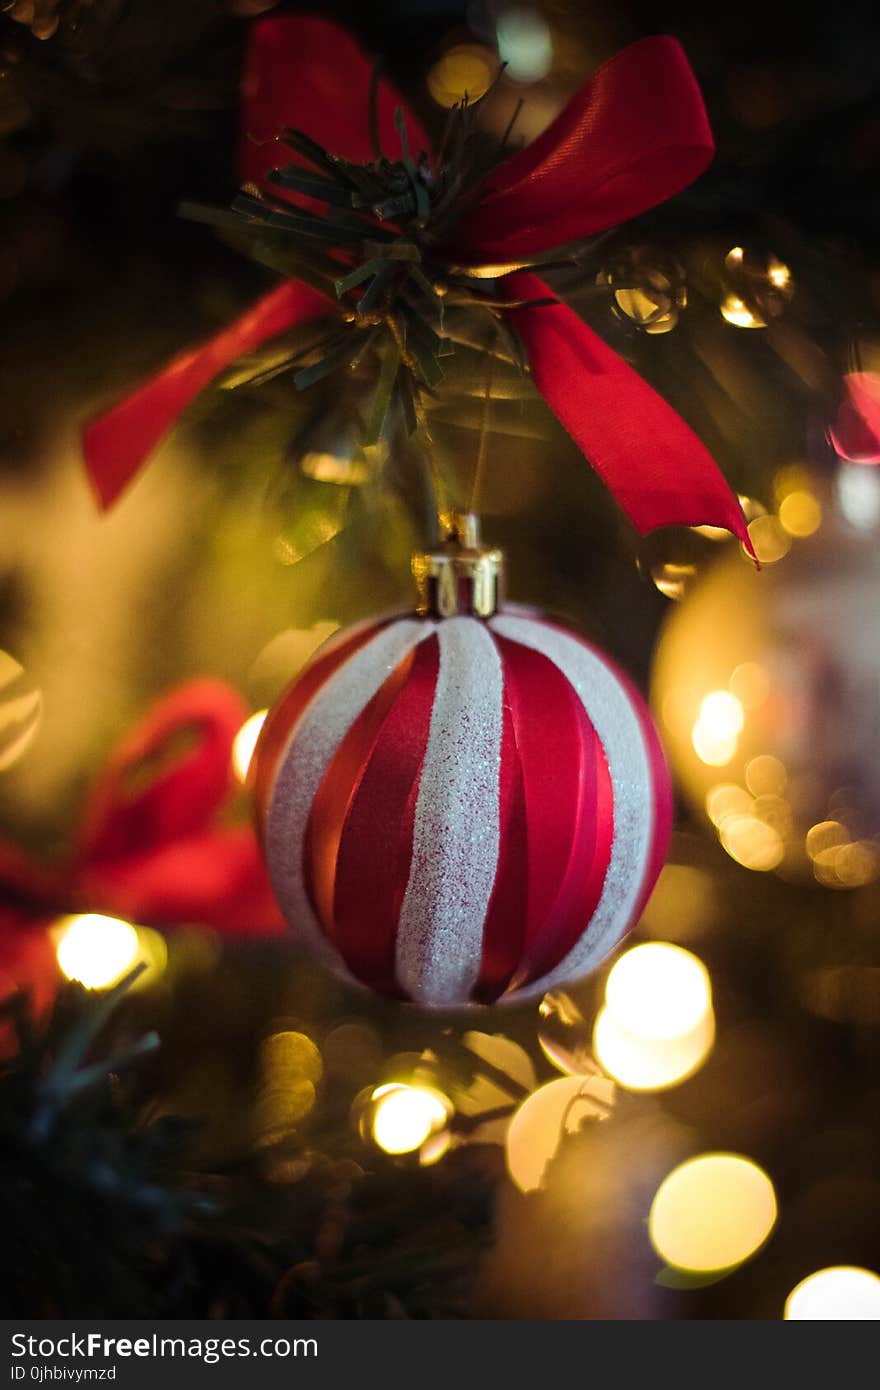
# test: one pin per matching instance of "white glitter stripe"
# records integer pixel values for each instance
(456, 830)
(313, 741)
(617, 724)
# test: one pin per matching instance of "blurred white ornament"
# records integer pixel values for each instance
(542, 1121)
(524, 43)
(766, 685)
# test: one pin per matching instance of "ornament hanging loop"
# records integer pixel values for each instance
(460, 576)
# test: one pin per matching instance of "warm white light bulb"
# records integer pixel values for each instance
(712, 1212)
(97, 951)
(245, 742)
(405, 1116)
(841, 1293)
(658, 991)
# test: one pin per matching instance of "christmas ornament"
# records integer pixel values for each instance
(465, 803)
(395, 249)
(765, 687)
(648, 287)
(756, 286)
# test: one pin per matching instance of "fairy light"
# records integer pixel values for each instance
(766, 775)
(658, 1024)
(712, 1213)
(658, 990)
(725, 800)
(245, 742)
(96, 950)
(841, 1293)
(800, 514)
(716, 731)
(750, 684)
(752, 842)
(465, 70)
(769, 540)
(405, 1116)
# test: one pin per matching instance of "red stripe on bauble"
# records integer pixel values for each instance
(376, 839)
(281, 720)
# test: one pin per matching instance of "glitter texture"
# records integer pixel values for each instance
(301, 767)
(609, 710)
(456, 831)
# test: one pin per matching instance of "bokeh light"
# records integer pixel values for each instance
(858, 495)
(290, 1069)
(245, 742)
(800, 514)
(770, 541)
(545, 1117)
(651, 1064)
(405, 1116)
(752, 843)
(524, 44)
(466, 70)
(658, 990)
(737, 312)
(712, 1212)
(766, 775)
(658, 1024)
(716, 731)
(841, 1293)
(750, 684)
(96, 950)
(726, 800)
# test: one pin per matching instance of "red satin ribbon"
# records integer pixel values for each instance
(653, 463)
(375, 815)
(568, 812)
(154, 848)
(633, 135)
(116, 444)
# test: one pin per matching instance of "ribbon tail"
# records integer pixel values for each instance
(117, 444)
(653, 463)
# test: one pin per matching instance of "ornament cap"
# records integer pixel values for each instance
(460, 576)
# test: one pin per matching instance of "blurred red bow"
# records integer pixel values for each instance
(632, 136)
(153, 849)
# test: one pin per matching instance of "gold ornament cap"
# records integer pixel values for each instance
(460, 576)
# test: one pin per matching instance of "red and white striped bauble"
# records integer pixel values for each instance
(456, 810)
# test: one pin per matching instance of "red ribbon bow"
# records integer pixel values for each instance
(855, 433)
(153, 849)
(632, 136)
